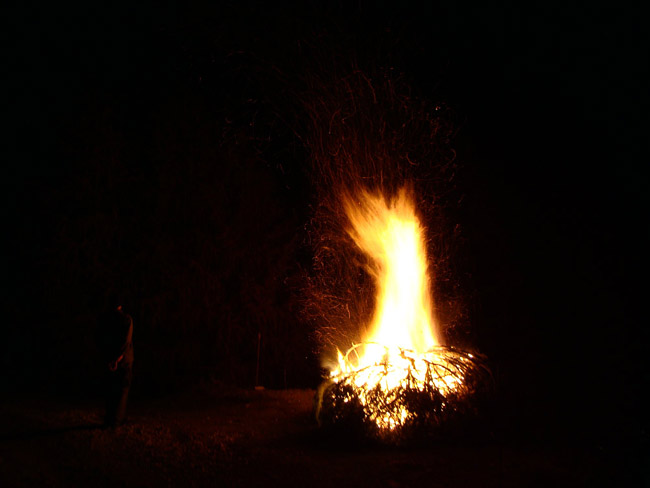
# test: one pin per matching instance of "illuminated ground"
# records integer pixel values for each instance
(262, 438)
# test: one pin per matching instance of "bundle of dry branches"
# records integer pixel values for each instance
(418, 404)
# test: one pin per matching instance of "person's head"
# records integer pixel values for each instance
(113, 302)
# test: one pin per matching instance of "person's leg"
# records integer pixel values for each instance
(112, 399)
(123, 395)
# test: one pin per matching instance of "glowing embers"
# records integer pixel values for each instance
(402, 391)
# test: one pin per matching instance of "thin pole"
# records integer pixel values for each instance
(257, 368)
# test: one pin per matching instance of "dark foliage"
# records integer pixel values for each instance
(174, 235)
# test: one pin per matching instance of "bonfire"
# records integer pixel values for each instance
(400, 377)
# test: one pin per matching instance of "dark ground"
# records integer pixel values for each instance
(211, 436)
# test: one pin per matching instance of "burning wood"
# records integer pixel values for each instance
(405, 391)
(401, 376)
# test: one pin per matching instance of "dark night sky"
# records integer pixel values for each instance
(551, 103)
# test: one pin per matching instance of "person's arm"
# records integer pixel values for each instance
(125, 345)
(127, 340)
(113, 365)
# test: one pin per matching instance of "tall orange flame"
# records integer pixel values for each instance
(390, 233)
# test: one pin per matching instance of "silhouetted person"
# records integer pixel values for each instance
(116, 344)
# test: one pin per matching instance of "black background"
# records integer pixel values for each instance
(147, 157)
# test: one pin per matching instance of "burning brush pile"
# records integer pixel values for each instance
(390, 374)
(400, 380)
(403, 392)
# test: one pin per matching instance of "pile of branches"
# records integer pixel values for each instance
(412, 409)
